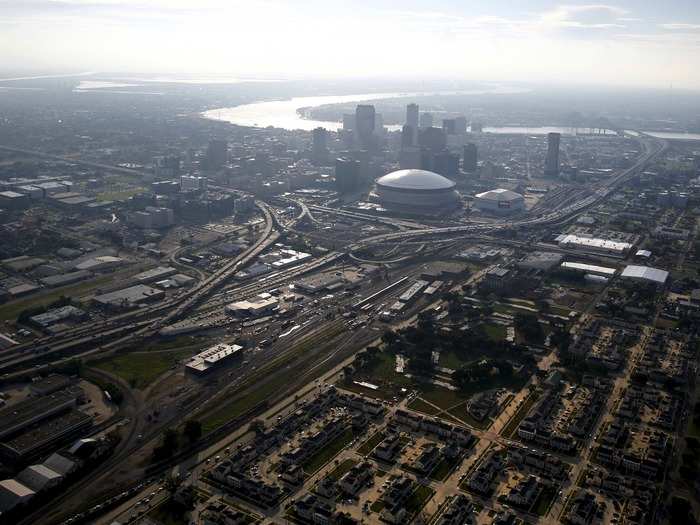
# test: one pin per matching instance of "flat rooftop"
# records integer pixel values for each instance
(29, 409)
(47, 431)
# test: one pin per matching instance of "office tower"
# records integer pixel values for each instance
(445, 164)
(412, 115)
(477, 127)
(364, 123)
(432, 139)
(217, 154)
(193, 183)
(426, 120)
(448, 125)
(460, 125)
(347, 174)
(470, 157)
(319, 148)
(408, 136)
(551, 165)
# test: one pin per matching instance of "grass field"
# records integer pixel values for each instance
(341, 469)
(328, 452)
(140, 369)
(421, 406)
(418, 499)
(525, 407)
(441, 471)
(496, 332)
(544, 501)
(368, 446)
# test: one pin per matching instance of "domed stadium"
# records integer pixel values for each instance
(417, 191)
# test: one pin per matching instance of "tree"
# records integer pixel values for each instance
(257, 426)
(529, 327)
(192, 430)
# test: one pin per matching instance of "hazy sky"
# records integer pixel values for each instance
(643, 42)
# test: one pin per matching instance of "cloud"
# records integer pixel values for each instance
(680, 27)
(594, 16)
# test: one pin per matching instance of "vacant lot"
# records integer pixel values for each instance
(140, 369)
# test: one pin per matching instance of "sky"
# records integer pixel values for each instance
(629, 42)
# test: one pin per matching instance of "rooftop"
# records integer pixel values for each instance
(415, 180)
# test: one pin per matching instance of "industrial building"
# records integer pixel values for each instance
(593, 245)
(39, 478)
(100, 263)
(57, 315)
(588, 269)
(12, 494)
(412, 292)
(19, 416)
(252, 308)
(499, 202)
(212, 358)
(155, 274)
(318, 283)
(416, 191)
(129, 297)
(645, 274)
(45, 435)
(53, 281)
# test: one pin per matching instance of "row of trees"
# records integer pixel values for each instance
(191, 432)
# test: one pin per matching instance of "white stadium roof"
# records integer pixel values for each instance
(645, 273)
(415, 180)
(499, 194)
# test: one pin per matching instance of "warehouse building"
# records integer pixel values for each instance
(100, 263)
(593, 245)
(129, 297)
(499, 202)
(64, 279)
(39, 478)
(319, 283)
(252, 308)
(644, 274)
(19, 416)
(155, 274)
(591, 269)
(212, 358)
(12, 494)
(42, 437)
(57, 315)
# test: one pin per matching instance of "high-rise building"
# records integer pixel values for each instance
(412, 115)
(476, 127)
(551, 165)
(426, 120)
(217, 154)
(470, 157)
(319, 148)
(432, 139)
(192, 183)
(460, 125)
(445, 164)
(408, 136)
(448, 125)
(364, 123)
(347, 174)
(410, 158)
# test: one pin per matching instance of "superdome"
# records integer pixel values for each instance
(416, 191)
(415, 180)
